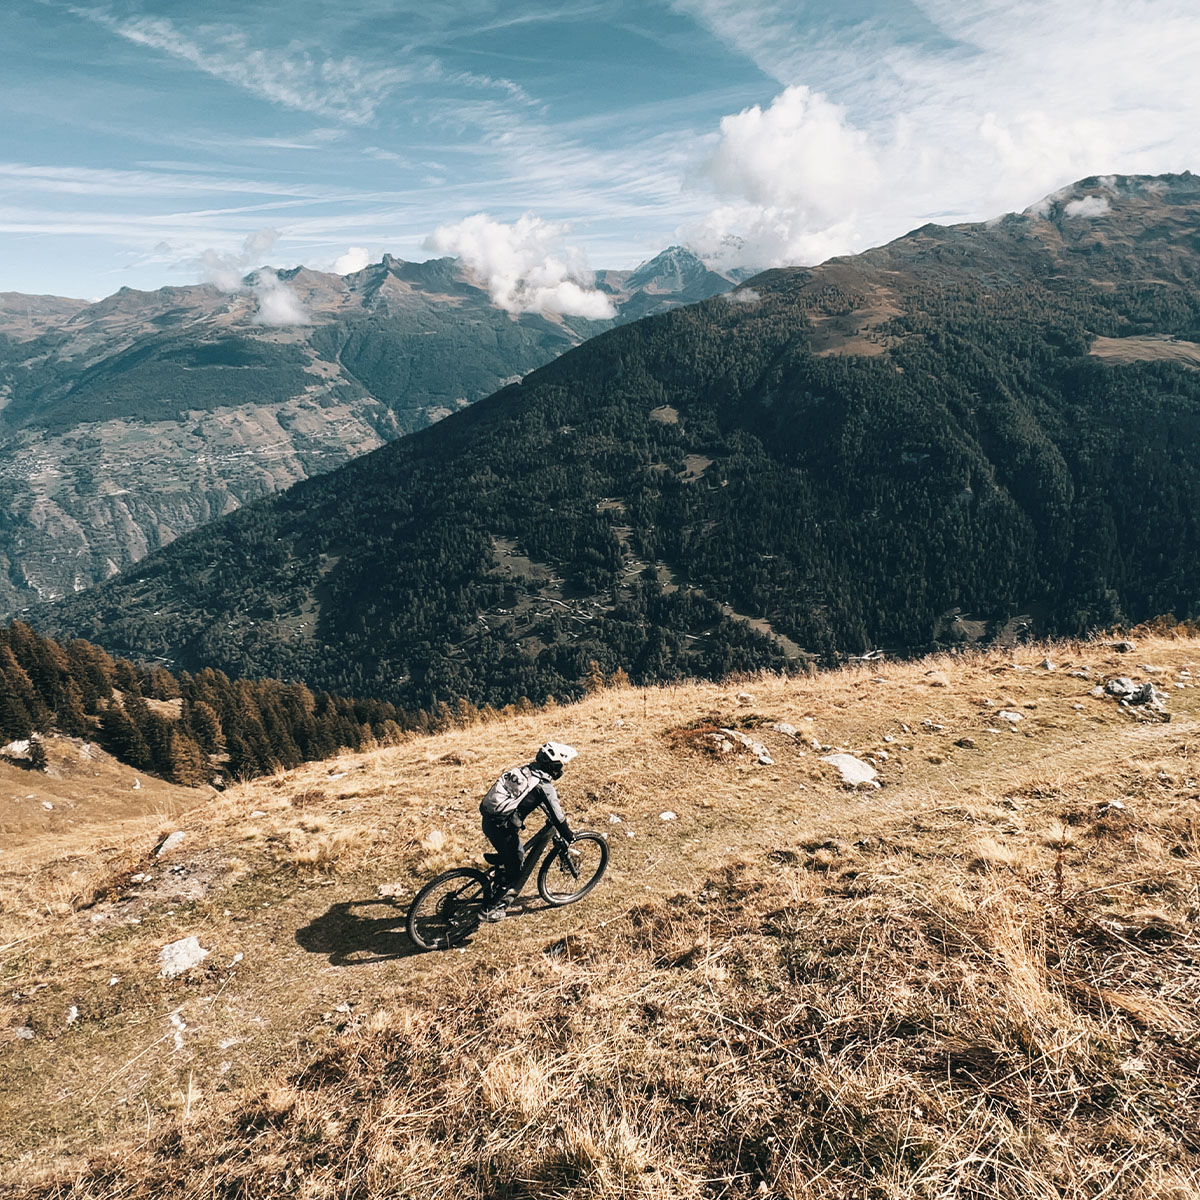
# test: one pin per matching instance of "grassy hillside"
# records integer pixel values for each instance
(978, 980)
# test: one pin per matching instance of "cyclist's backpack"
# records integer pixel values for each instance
(508, 791)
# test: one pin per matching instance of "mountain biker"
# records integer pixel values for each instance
(509, 801)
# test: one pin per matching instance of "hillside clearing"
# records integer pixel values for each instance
(978, 980)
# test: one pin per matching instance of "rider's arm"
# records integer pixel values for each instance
(554, 810)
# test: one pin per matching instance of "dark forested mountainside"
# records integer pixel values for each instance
(980, 420)
(129, 421)
(191, 729)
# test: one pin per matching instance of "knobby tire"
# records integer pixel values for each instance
(565, 878)
(448, 909)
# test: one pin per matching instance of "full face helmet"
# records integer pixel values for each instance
(553, 756)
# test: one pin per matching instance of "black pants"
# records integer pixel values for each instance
(505, 834)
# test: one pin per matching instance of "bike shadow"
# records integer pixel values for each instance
(350, 938)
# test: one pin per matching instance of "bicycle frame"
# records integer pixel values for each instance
(533, 853)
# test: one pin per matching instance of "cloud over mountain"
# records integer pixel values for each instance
(277, 303)
(525, 265)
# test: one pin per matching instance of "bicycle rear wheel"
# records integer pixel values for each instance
(448, 909)
(572, 871)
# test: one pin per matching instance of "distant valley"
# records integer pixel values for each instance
(129, 421)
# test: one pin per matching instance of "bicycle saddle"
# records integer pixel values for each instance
(494, 859)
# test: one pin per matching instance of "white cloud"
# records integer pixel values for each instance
(796, 173)
(1088, 206)
(525, 266)
(939, 111)
(355, 259)
(277, 303)
(226, 269)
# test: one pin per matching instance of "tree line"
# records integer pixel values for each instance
(189, 728)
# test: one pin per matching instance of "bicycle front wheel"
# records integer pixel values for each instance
(448, 909)
(572, 871)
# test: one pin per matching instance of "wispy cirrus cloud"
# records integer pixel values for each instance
(343, 88)
(296, 74)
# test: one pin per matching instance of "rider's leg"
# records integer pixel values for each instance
(504, 834)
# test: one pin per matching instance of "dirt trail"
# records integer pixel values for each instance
(285, 872)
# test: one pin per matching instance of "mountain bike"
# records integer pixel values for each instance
(449, 908)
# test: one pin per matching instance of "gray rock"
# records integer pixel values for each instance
(170, 842)
(854, 772)
(180, 956)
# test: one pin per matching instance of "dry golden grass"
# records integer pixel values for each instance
(979, 980)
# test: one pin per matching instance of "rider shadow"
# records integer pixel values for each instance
(351, 939)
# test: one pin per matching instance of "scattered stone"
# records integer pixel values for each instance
(1082, 673)
(745, 698)
(1142, 695)
(170, 842)
(882, 755)
(24, 1033)
(933, 726)
(966, 743)
(756, 748)
(258, 812)
(20, 746)
(141, 877)
(1149, 669)
(1112, 806)
(137, 784)
(337, 774)
(1097, 691)
(614, 819)
(1122, 647)
(114, 981)
(854, 772)
(784, 728)
(72, 1014)
(180, 956)
(47, 806)
(1077, 707)
(664, 816)
(1047, 665)
(387, 891)
(1011, 717)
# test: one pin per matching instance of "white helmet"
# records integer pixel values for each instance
(554, 756)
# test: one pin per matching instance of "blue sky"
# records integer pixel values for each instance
(147, 142)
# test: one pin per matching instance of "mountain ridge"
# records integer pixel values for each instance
(830, 460)
(135, 418)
